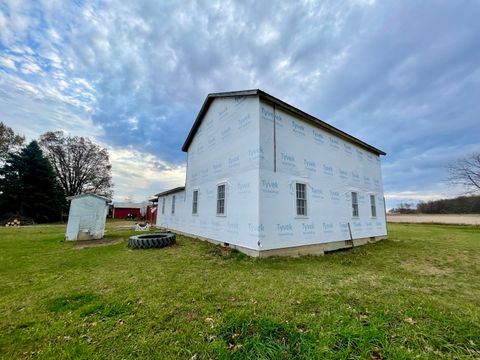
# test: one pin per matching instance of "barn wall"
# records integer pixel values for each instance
(151, 214)
(330, 167)
(122, 213)
(226, 150)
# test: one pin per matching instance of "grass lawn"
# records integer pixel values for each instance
(415, 295)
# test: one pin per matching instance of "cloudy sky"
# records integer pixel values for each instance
(403, 76)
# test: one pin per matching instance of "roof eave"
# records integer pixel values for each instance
(265, 96)
(107, 200)
(204, 108)
(171, 191)
(323, 124)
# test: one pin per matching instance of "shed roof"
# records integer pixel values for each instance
(171, 191)
(269, 98)
(107, 200)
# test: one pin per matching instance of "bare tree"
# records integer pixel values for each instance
(9, 140)
(81, 166)
(466, 172)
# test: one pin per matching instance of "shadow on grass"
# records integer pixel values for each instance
(89, 304)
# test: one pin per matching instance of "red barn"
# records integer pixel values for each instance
(122, 210)
(152, 211)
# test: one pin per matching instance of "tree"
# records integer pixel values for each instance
(8, 140)
(403, 208)
(80, 165)
(28, 186)
(466, 172)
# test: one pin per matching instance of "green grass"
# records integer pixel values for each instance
(415, 295)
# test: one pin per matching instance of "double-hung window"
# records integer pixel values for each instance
(163, 206)
(354, 204)
(173, 204)
(373, 206)
(301, 199)
(195, 202)
(221, 195)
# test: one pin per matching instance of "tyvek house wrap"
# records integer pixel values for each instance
(331, 169)
(225, 150)
(260, 160)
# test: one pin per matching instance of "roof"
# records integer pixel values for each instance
(129, 205)
(107, 200)
(269, 98)
(171, 191)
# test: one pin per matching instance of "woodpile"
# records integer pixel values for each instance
(13, 222)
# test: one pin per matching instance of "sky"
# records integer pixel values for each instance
(403, 76)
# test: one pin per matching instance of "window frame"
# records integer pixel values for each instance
(173, 204)
(305, 199)
(163, 205)
(224, 184)
(355, 205)
(373, 206)
(195, 201)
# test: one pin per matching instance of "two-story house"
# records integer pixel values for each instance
(268, 179)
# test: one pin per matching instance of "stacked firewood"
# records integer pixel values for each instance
(14, 222)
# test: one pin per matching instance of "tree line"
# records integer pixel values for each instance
(37, 178)
(458, 205)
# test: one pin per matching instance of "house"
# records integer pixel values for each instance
(87, 216)
(122, 210)
(269, 179)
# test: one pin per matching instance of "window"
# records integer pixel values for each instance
(354, 204)
(195, 202)
(173, 204)
(373, 205)
(221, 199)
(163, 206)
(301, 195)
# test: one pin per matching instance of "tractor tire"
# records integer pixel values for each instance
(148, 241)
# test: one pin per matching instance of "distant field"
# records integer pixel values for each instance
(462, 219)
(415, 295)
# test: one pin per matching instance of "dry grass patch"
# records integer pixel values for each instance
(425, 268)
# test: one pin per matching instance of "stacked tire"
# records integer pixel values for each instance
(148, 241)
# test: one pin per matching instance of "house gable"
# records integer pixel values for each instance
(263, 96)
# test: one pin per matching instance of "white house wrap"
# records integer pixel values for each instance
(269, 179)
(87, 216)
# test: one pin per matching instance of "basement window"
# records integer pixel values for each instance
(163, 206)
(173, 204)
(373, 206)
(301, 199)
(221, 195)
(354, 204)
(195, 202)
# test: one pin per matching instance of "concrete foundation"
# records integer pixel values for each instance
(312, 249)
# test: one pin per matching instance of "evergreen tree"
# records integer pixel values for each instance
(28, 186)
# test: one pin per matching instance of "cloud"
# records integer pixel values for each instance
(136, 174)
(133, 75)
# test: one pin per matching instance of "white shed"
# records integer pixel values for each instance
(87, 216)
(270, 179)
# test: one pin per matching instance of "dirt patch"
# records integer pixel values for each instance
(425, 269)
(98, 242)
(459, 219)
